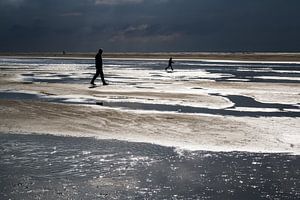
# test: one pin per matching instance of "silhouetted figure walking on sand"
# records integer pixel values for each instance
(99, 70)
(170, 64)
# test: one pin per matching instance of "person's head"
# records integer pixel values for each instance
(100, 51)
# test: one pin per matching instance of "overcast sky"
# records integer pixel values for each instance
(150, 25)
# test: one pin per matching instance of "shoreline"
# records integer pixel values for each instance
(292, 57)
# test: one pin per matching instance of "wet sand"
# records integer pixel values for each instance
(51, 167)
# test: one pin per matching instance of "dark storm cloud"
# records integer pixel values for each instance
(149, 25)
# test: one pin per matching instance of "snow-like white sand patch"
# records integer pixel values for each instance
(278, 78)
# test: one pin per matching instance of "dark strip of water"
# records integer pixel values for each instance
(239, 101)
(244, 101)
(190, 109)
(253, 76)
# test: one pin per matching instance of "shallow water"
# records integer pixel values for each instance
(239, 101)
(199, 110)
(52, 167)
(81, 71)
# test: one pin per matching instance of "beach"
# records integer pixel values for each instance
(222, 123)
(247, 107)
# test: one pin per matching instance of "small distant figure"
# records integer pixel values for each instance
(99, 70)
(170, 64)
(64, 53)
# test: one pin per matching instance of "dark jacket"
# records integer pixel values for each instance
(170, 62)
(98, 60)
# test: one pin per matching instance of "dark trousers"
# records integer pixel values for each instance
(99, 71)
(169, 66)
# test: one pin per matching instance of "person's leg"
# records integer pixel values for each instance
(95, 76)
(102, 78)
(171, 67)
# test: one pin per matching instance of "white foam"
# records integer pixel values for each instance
(252, 109)
(278, 78)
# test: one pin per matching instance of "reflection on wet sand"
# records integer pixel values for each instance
(44, 166)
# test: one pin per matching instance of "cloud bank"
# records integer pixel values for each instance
(149, 25)
(116, 2)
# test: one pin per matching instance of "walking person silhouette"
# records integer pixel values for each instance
(170, 64)
(99, 68)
